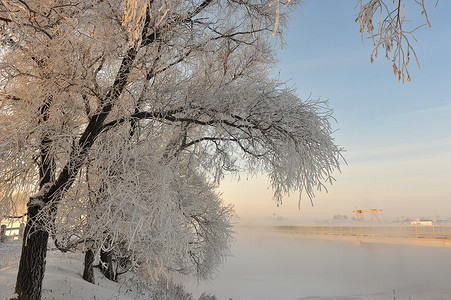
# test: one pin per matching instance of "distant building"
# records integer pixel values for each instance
(340, 217)
(421, 222)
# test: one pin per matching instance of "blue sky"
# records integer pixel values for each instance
(397, 136)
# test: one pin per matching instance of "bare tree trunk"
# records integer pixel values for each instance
(106, 265)
(88, 272)
(32, 260)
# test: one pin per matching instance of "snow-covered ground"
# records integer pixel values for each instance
(63, 280)
(62, 277)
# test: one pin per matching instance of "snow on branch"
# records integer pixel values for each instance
(385, 24)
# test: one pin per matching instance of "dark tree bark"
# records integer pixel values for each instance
(32, 259)
(35, 237)
(107, 265)
(88, 272)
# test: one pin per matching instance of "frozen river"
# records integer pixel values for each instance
(271, 266)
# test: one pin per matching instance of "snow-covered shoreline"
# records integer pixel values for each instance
(63, 280)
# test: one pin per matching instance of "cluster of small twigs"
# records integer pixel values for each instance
(385, 24)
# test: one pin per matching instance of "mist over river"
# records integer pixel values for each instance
(268, 265)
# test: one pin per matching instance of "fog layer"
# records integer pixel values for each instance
(267, 266)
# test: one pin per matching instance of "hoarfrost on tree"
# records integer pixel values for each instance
(122, 122)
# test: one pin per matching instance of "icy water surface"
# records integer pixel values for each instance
(272, 266)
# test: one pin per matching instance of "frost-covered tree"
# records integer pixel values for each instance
(118, 119)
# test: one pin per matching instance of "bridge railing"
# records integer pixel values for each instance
(404, 231)
(12, 227)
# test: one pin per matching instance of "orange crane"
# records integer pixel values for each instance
(374, 213)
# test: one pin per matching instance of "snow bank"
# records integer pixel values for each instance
(63, 280)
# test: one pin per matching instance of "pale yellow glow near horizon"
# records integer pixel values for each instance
(415, 187)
